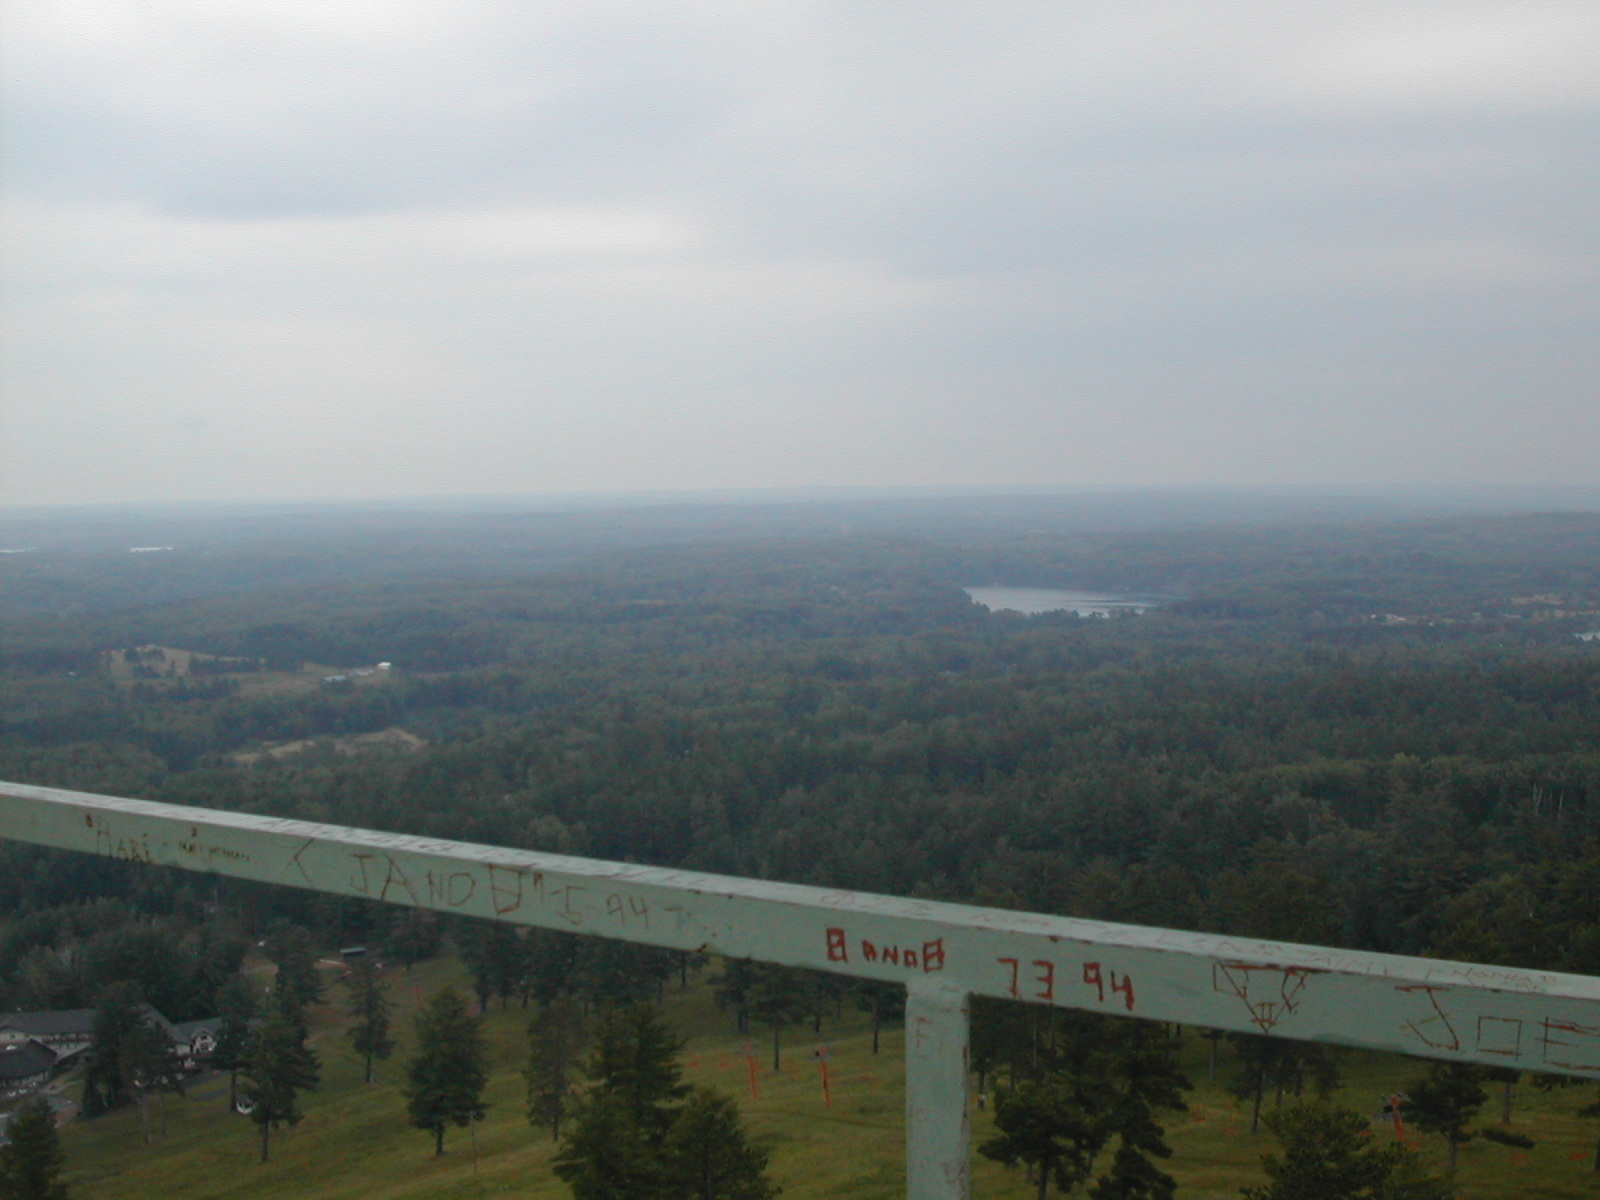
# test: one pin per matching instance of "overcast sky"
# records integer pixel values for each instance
(333, 248)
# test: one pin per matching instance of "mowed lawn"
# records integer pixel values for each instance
(355, 1142)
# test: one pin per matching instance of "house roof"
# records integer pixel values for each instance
(58, 1023)
(185, 1031)
(153, 1015)
(25, 1060)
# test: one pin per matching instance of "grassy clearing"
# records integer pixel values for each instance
(355, 1143)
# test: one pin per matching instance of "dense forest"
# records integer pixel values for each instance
(1321, 724)
(1370, 733)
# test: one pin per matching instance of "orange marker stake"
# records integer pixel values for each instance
(750, 1059)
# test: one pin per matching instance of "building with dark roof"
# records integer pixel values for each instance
(24, 1066)
(66, 1031)
(196, 1039)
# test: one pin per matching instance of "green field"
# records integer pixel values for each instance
(355, 1143)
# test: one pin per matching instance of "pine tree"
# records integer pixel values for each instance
(413, 936)
(732, 987)
(606, 1155)
(1139, 1077)
(216, 957)
(613, 1146)
(150, 1065)
(707, 1156)
(551, 961)
(31, 1158)
(635, 1057)
(445, 1081)
(1052, 1129)
(1090, 1083)
(616, 973)
(778, 1000)
(555, 1038)
(1444, 1100)
(108, 1079)
(1328, 1154)
(370, 1008)
(281, 1066)
(496, 957)
(885, 1003)
(298, 984)
(237, 1005)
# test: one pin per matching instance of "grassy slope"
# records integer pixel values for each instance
(355, 1143)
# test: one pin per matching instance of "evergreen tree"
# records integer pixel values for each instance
(1049, 1128)
(445, 1081)
(607, 1155)
(635, 1057)
(778, 1000)
(1276, 1065)
(150, 1064)
(732, 986)
(298, 984)
(471, 940)
(555, 1038)
(217, 957)
(32, 1158)
(1140, 1077)
(885, 1003)
(108, 1078)
(552, 957)
(1444, 1101)
(281, 1066)
(1090, 1082)
(370, 1008)
(1328, 1154)
(613, 1146)
(708, 1157)
(413, 936)
(1507, 1078)
(496, 957)
(147, 954)
(238, 1005)
(618, 973)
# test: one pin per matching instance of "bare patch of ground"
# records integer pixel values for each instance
(392, 740)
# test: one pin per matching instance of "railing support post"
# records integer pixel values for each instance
(938, 1129)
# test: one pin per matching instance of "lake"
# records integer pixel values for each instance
(1043, 600)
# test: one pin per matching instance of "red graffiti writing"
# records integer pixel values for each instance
(1040, 981)
(931, 957)
(838, 946)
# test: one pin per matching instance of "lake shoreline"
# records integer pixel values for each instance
(1036, 601)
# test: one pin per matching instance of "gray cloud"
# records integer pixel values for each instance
(365, 249)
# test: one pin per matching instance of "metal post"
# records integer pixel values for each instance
(938, 1128)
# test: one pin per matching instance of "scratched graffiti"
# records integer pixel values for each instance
(506, 886)
(1500, 1035)
(507, 889)
(1480, 1013)
(1433, 1027)
(128, 849)
(1268, 993)
(1570, 1046)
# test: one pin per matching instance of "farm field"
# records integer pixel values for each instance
(355, 1142)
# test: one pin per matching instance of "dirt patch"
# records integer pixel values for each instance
(393, 740)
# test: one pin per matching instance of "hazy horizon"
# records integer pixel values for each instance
(1484, 497)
